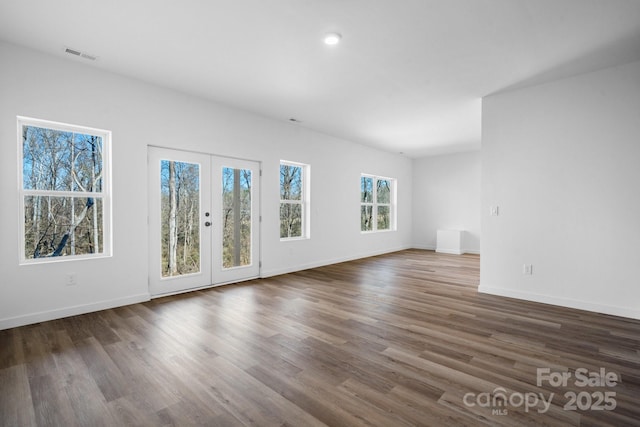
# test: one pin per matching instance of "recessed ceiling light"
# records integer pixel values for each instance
(332, 38)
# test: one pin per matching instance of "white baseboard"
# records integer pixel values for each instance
(449, 251)
(433, 248)
(43, 316)
(562, 302)
(315, 264)
(424, 247)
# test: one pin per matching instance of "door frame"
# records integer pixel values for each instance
(208, 276)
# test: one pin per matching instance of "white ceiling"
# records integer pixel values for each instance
(408, 77)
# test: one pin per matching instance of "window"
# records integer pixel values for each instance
(64, 191)
(294, 200)
(377, 203)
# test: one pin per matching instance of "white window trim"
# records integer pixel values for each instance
(304, 202)
(392, 205)
(105, 195)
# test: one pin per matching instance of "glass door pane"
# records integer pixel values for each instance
(180, 213)
(236, 217)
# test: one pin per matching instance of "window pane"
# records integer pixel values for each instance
(290, 182)
(384, 218)
(384, 191)
(236, 203)
(87, 150)
(366, 189)
(366, 218)
(61, 161)
(290, 220)
(180, 207)
(62, 226)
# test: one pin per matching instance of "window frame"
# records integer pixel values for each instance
(105, 195)
(304, 202)
(392, 205)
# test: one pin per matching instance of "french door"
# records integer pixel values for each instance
(203, 220)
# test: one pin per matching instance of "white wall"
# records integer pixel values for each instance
(561, 161)
(140, 114)
(446, 195)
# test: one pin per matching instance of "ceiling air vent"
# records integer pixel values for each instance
(80, 54)
(72, 52)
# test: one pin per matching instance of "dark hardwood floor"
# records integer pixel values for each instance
(395, 340)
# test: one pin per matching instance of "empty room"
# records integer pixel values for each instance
(181, 187)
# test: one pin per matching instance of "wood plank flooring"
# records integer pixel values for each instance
(396, 340)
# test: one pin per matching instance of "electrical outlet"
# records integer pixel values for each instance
(527, 269)
(72, 279)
